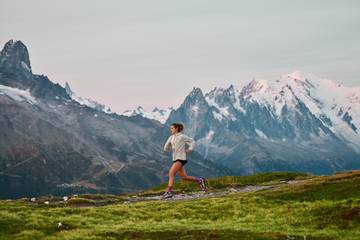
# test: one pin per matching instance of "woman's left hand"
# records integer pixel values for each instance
(187, 150)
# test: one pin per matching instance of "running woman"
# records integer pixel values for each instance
(177, 141)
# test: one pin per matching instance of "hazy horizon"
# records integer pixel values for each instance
(126, 54)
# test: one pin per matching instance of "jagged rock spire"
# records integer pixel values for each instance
(15, 54)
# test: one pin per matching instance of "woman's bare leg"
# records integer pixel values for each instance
(182, 174)
(174, 168)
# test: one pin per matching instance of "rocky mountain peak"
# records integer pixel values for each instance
(195, 97)
(216, 91)
(196, 92)
(231, 88)
(15, 53)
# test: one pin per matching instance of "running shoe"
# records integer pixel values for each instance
(167, 195)
(202, 184)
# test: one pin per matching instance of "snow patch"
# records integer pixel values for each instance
(260, 133)
(195, 109)
(217, 116)
(25, 66)
(17, 94)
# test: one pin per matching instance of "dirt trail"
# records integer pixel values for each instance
(199, 194)
(88, 201)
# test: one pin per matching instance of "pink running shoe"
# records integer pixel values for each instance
(202, 184)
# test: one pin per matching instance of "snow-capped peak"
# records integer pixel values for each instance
(86, 101)
(219, 91)
(216, 91)
(158, 114)
(196, 93)
(223, 100)
(256, 86)
(337, 106)
(306, 80)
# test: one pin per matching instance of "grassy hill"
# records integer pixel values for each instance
(296, 206)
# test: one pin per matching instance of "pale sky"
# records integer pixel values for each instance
(152, 53)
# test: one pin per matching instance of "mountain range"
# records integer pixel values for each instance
(298, 122)
(54, 142)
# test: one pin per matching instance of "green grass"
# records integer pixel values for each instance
(322, 207)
